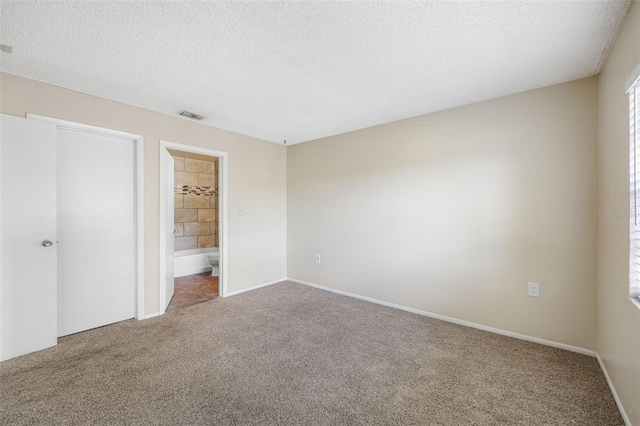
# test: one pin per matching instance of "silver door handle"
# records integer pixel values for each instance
(47, 243)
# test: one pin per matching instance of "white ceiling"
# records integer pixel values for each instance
(304, 70)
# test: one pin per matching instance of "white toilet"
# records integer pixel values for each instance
(214, 261)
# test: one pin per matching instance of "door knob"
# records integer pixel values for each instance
(47, 243)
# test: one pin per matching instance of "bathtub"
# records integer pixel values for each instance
(189, 262)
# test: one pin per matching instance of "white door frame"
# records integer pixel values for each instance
(138, 171)
(223, 158)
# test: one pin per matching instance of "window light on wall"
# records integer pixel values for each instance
(633, 89)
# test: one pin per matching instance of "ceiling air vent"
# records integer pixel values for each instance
(190, 115)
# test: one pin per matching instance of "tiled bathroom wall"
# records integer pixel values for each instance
(195, 203)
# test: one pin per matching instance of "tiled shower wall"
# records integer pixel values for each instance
(196, 216)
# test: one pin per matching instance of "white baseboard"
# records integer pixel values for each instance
(190, 271)
(144, 317)
(453, 320)
(627, 422)
(233, 293)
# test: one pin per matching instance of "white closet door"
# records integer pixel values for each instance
(27, 236)
(96, 258)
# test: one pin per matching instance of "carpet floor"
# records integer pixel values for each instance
(288, 354)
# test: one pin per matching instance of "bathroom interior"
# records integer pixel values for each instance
(196, 229)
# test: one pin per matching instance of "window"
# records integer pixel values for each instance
(633, 88)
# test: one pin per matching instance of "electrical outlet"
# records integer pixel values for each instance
(534, 289)
(317, 258)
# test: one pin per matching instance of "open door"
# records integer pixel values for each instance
(28, 240)
(169, 190)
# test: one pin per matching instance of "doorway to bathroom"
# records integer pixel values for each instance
(192, 225)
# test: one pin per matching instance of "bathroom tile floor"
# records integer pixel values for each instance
(193, 289)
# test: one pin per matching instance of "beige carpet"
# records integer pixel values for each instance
(289, 354)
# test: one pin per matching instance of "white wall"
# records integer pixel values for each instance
(257, 176)
(454, 212)
(618, 318)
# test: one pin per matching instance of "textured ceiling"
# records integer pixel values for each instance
(304, 70)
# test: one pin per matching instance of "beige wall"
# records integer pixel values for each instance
(257, 176)
(618, 318)
(454, 212)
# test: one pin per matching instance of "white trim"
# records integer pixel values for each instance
(71, 125)
(138, 142)
(1, 245)
(139, 227)
(223, 234)
(632, 79)
(162, 232)
(453, 320)
(153, 315)
(244, 290)
(223, 167)
(627, 422)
